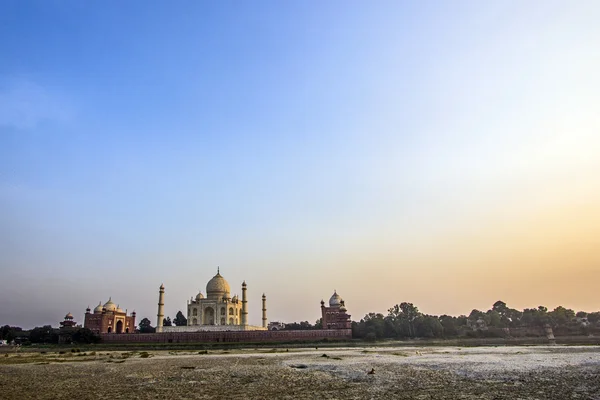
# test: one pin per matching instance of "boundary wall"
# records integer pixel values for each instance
(211, 328)
(228, 337)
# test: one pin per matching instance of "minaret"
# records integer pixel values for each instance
(161, 309)
(244, 305)
(264, 311)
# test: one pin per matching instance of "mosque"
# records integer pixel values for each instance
(109, 318)
(218, 311)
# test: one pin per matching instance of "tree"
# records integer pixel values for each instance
(594, 317)
(84, 335)
(410, 314)
(495, 319)
(44, 334)
(9, 333)
(476, 315)
(179, 319)
(428, 326)
(374, 326)
(146, 327)
(561, 316)
(449, 324)
(581, 314)
(301, 326)
(499, 307)
(167, 322)
(535, 316)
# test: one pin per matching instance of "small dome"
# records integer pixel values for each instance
(98, 308)
(119, 309)
(234, 298)
(69, 316)
(217, 287)
(110, 306)
(335, 300)
(199, 296)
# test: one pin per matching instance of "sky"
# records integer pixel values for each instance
(441, 153)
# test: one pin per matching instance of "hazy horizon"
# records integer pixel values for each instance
(444, 154)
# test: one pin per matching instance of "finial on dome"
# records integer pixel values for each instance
(218, 270)
(244, 283)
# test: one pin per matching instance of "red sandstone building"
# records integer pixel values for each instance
(68, 322)
(109, 318)
(335, 316)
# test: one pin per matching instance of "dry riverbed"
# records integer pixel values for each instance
(553, 372)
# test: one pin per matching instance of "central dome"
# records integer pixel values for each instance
(110, 306)
(217, 287)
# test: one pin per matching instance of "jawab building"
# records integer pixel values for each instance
(109, 318)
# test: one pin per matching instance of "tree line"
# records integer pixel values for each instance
(47, 335)
(404, 320)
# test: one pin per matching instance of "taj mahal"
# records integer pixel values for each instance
(218, 311)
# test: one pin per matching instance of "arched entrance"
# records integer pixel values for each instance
(209, 316)
(119, 326)
(109, 329)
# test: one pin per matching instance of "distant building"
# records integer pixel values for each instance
(109, 318)
(335, 316)
(276, 326)
(68, 322)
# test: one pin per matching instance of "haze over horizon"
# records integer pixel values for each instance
(444, 154)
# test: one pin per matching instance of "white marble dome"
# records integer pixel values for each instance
(199, 296)
(217, 287)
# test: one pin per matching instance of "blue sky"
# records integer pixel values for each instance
(439, 153)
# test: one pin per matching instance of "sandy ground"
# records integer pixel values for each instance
(553, 372)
